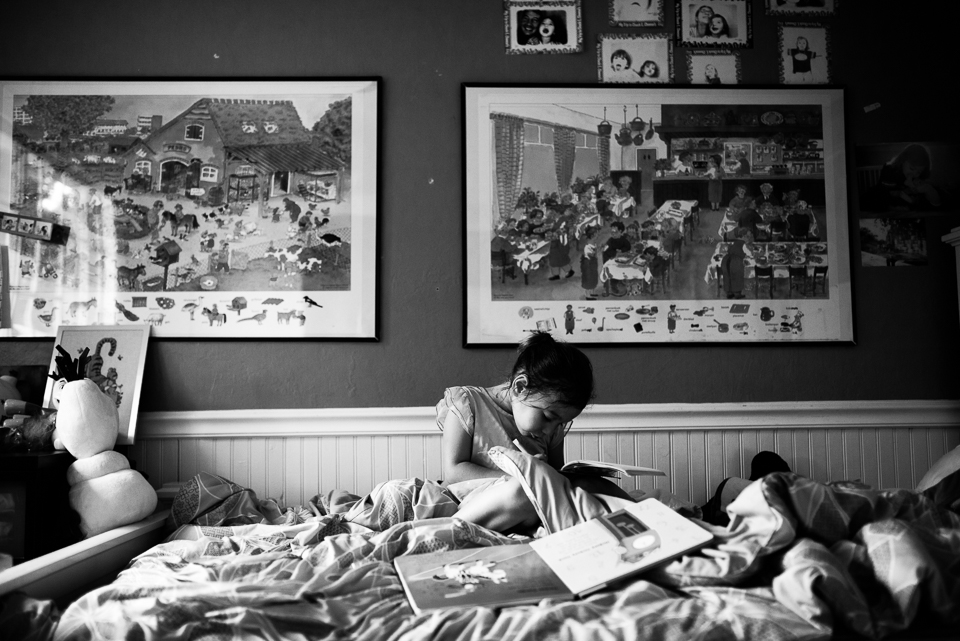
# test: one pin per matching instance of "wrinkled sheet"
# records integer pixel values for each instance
(799, 560)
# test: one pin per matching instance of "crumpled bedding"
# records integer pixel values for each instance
(799, 560)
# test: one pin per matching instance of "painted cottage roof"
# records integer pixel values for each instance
(255, 122)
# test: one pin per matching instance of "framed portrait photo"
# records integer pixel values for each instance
(804, 53)
(117, 356)
(574, 224)
(801, 8)
(644, 58)
(636, 13)
(714, 23)
(708, 67)
(178, 202)
(543, 27)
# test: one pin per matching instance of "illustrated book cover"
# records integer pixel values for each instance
(494, 576)
(613, 470)
(567, 564)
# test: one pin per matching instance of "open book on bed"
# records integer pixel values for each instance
(613, 470)
(567, 564)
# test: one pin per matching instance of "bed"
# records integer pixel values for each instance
(800, 560)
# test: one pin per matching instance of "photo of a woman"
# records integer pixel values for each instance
(804, 53)
(548, 27)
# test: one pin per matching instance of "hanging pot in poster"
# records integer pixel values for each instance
(604, 128)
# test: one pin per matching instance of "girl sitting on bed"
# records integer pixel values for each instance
(550, 384)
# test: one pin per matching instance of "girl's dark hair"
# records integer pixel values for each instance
(555, 368)
(915, 154)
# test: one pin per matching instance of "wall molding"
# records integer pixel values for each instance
(409, 421)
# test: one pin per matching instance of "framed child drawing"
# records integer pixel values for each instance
(710, 214)
(204, 208)
(114, 361)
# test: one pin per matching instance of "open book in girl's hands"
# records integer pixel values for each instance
(612, 470)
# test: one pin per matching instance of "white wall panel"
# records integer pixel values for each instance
(355, 450)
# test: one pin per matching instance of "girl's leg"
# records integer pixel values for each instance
(501, 507)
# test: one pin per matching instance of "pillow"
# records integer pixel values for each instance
(944, 467)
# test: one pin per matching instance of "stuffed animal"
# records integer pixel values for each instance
(84, 421)
(104, 491)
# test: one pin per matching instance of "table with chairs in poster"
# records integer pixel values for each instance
(802, 265)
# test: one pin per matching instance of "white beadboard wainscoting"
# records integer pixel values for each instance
(291, 455)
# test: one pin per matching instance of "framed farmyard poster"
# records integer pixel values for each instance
(532, 26)
(116, 360)
(711, 214)
(205, 208)
(714, 23)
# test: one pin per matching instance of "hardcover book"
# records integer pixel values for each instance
(613, 470)
(567, 564)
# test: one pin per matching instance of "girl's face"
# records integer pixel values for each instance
(619, 63)
(716, 24)
(536, 413)
(649, 70)
(704, 14)
(912, 170)
(547, 28)
(802, 43)
(711, 71)
(741, 192)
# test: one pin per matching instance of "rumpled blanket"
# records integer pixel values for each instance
(799, 560)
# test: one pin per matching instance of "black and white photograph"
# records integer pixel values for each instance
(801, 8)
(708, 67)
(804, 53)
(543, 27)
(714, 23)
(629, 59)
(636, 13)
(904, 178)
(893, 242)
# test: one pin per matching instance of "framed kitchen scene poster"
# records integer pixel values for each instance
(208, 209)
(656, 215)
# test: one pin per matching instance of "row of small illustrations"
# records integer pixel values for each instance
(81, 311)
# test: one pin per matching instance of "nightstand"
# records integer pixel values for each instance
(35, 514)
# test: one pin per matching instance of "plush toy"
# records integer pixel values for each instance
(84, 421)
(104, 491)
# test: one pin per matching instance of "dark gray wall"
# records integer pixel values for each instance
(906, 318)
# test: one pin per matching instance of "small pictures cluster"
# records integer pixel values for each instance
(711, 31)
(32, 227)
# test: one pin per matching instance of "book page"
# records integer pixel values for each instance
(588, 556)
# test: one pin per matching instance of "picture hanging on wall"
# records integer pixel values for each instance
(893, 242)
(644, 58)
(709, 67)
(801, 8)
(908, 178)
(804, 53)
(714, 23)
(114, 361)
(543, 27)
(206, 208)
(636, 13)
(603, 232)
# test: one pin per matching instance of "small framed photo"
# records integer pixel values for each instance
(26, 225)
(43, 229)
(8, 222)
(707, 67)
(636, 13)
(804, 53)
(117, 356)
(801, 8)
(645, 58)
(714, 23)
(543, 27)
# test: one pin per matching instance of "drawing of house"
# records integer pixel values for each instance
(235, 151)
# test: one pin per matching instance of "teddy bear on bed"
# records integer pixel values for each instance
(104, 491)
